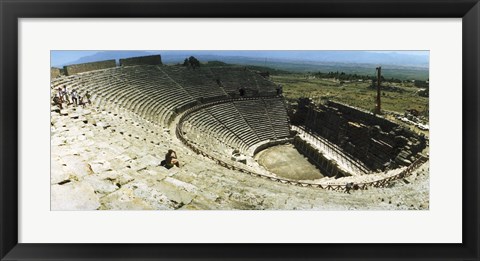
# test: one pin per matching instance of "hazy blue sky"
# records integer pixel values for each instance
(60, 58)
(397, 58)
(424, 53)
(63, 57)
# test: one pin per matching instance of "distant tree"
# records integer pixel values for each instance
(191, 62)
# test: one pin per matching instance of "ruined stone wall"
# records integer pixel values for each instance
(271, 143)
(54, 72)
(377, 142)
(362, 116)
(327, 167)
(298, 112)
(85, 67)
(142, 60)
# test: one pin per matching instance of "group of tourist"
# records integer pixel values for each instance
(73, 97)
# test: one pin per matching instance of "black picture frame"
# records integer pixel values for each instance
(11, 11)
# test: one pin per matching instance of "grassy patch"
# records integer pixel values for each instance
(353, 93)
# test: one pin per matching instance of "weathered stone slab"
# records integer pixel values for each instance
(84, 112)
(124, 179)
(103, 124)
(118, 164)
(57, 141)
(135, 197)
(123, 157)
(180, 184)
(73, 196)
(175, 194)
(109, 175)
(157, 171)
(77, 166)
(100, 185)
(58, 172)
(99, 166)
(144, 162)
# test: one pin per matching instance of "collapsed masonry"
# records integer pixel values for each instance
(378, 143)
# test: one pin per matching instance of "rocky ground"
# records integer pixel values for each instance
(109, 160)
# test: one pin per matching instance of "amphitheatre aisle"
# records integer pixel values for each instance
(107, 155)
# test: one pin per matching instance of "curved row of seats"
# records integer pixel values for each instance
(157, 93)
(232, 79)
(145, 90)
(240, 124)
(191, 79)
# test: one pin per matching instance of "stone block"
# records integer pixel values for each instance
(172, 192)
(85, 67)
(74, 196)
(77, 166)
(180, 184)
(100, 166)
(58, 172)
(101, 185)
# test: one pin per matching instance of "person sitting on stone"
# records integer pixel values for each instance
(170, 160)
(81, 101)
(58, 101)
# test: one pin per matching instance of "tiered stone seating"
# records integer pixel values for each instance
(207, 132)
(199, 83)
(228, 115)
(254, 112)
(234, 78)
(240, 124)
(278, 117)
(144, 90)
(158, 93)
(108, 161)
